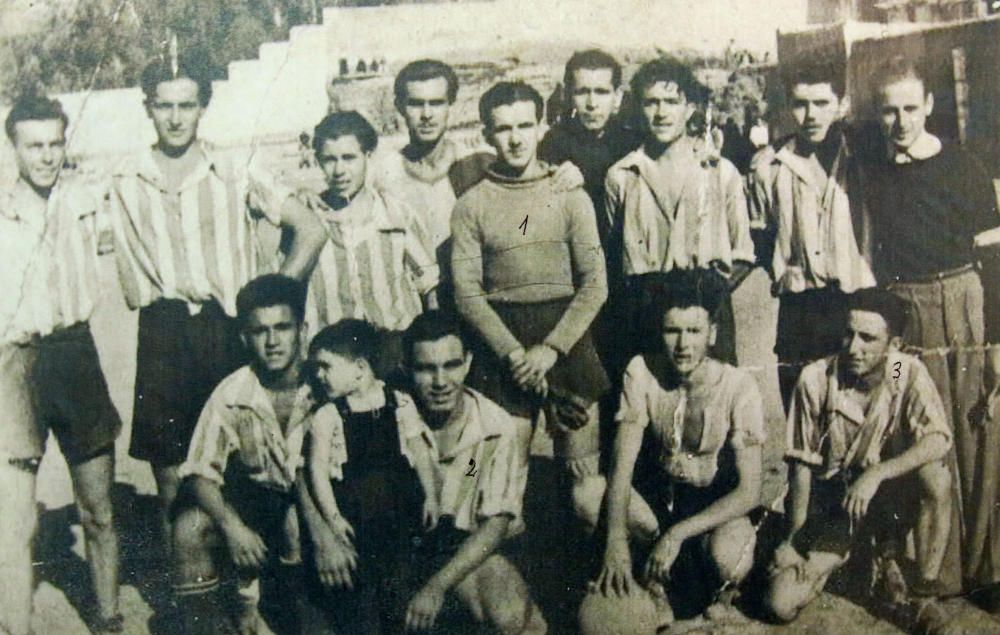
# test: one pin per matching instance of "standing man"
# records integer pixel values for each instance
(480, 490)
(430, 171)
(529, 280)
(928, 202)
(671, 209)
(237, 509)
(375, 264)
(867, 444)
(805, 191)
(72, 394)
(185, 220)
(592, 138)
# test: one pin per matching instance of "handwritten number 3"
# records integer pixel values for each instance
(524, 226)
(472, 468)
(896, 369)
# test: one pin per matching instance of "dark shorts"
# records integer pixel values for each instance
(579, 372)
(73, 398)
(828, 527)
(180, 360)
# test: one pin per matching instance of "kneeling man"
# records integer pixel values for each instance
(689, 439)
(237, 508)
(867, 439)
(480, 489)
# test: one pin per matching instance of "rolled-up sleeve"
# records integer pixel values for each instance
(501, 487)
(737, 216)
(266, 193)
(213, 441)
(802, 439)
(747, 413)
(634, 406)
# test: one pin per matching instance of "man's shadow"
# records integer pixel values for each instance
(142, 553)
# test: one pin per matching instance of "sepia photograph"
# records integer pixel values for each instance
(596, 317)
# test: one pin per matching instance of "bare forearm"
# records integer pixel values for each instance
(799, 487)
(209, 497)
(628, 440)
(308, 236)
(472, 553)
(930, 448)
(310, 512)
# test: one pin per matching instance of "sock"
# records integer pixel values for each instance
(199, 606)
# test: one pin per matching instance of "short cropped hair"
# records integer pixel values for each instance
(422, 70)
(811, 72)
(342, 124)
(272, 289)
(33, 108)
(668, 69)
(350, 338)
(592, 59)
(893, 309)
(194, 65)
(431, 326)
(684, 288)
(898, 68)
(506, 93)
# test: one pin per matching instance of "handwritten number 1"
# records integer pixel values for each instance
(524, 226)
(472, 468)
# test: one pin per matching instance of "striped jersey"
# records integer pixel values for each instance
(196, 243)
(375, 266)
(25, 310)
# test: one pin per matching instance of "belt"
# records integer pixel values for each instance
(936, 277)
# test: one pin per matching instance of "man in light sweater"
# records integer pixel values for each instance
(530, 278)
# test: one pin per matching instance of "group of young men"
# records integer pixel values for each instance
(524, 297)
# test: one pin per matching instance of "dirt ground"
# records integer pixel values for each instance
(63, 588)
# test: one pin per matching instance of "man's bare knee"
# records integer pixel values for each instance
(503, 595)
(731, 547)
(97, 518)
(785, 596)
(193, 534)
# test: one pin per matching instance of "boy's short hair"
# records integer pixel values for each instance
(816, 71)
(592, 59)
(668, 70)
(193, 65)
(506, 93)
(684, 288)
(431, 326)
(893, 309)
(898, 68)
(350, 338)
(422, 70)
(33, 108)
(342, 124)
(272, 289)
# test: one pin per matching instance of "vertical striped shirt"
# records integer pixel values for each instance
(198, 242)
(480, 476)
(702, 219)
(375, 266)
(239, 420)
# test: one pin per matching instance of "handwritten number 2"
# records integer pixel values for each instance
(524, 226)
(896, 369)
(472, 468)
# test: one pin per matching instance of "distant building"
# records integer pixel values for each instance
(831, 11)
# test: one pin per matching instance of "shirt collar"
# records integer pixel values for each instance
(473, 432)
(889, 386)
(250, 393)
(13, 195)
(146, 167)
(924, 147)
